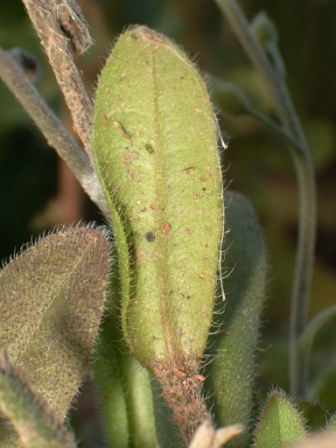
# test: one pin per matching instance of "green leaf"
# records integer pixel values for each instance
(155, 147)
(235, 330)
(32, 418)
(280, 423)
(52, 298)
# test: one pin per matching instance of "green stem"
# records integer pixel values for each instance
(303, 271)
(285, 136)
(313, 327)
(306, 182)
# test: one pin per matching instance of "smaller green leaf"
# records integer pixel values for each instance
(314, 415)
(280, 423)
(36, 424)
(155, 150)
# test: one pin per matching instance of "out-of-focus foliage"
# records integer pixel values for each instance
(259, 166)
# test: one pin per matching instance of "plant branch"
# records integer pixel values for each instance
(312, 328)
(62, 30)
(307, 196)
(271, 125)
(232, 100)
(52, 128)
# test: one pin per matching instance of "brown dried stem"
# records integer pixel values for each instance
(62, 30)
(57, 136)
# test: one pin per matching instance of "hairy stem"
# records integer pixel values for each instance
(62, 31)
(306, 182)
(52, 128)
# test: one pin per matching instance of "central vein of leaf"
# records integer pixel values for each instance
(162, 267)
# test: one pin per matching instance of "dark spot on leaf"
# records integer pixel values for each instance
(149, 148)
(150, 237)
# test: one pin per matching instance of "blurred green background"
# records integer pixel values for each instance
(37, 192)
